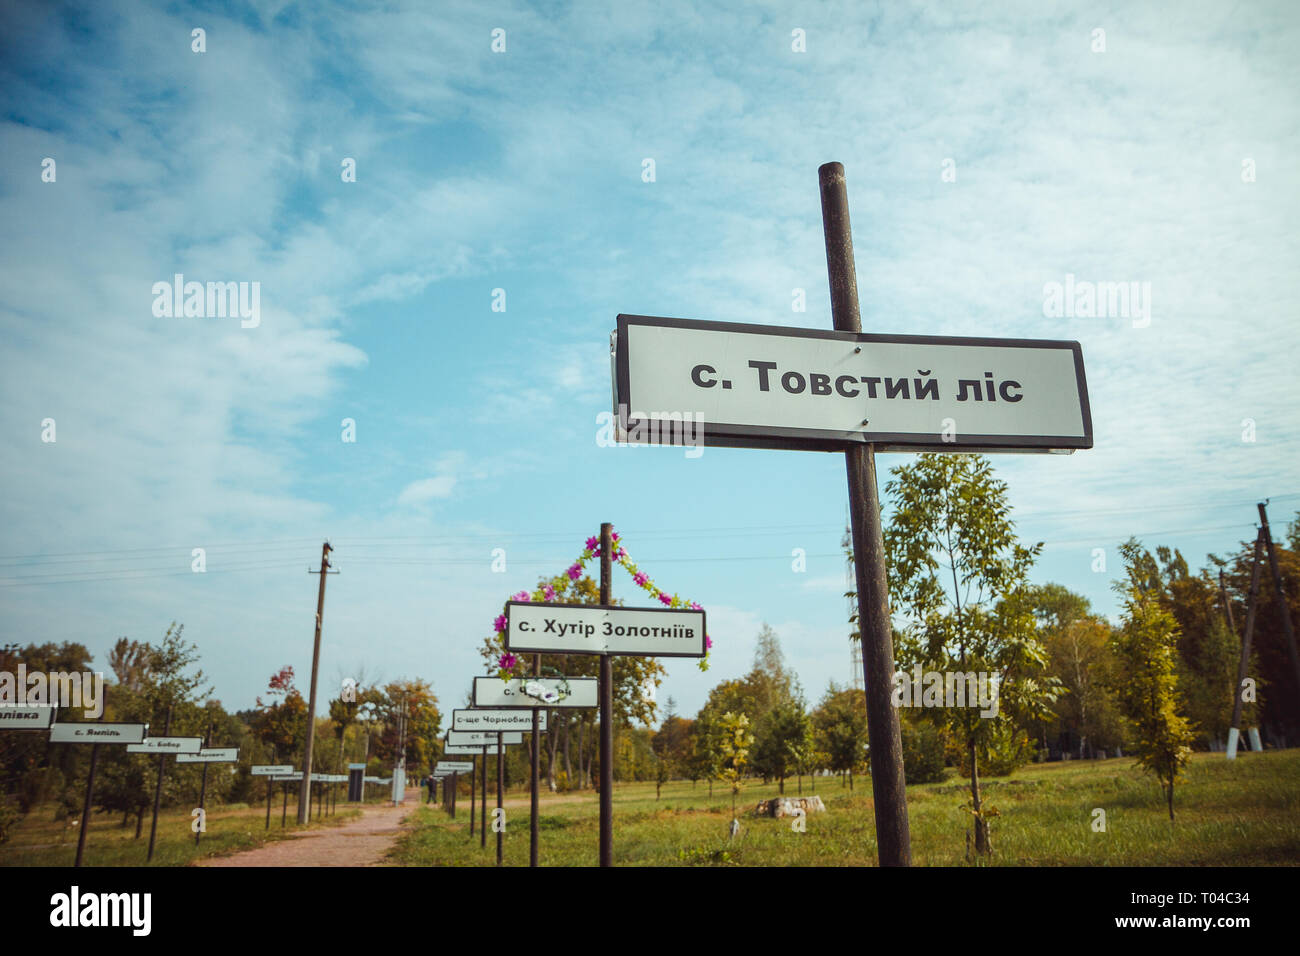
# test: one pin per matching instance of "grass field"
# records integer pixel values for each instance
(39, 840)
(1243, 813)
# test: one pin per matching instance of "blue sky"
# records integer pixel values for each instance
(522, 171)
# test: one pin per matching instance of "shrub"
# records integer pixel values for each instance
(923, 752)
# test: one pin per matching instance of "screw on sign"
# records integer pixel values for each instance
(755, 386)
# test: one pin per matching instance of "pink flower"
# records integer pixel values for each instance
(696, 607)
(521, 596)
(507, 661)
(549, 593)
(640, 578)
(708, 642)
(575, 571)
(613, 536)
(620, 554)
(500, 623)
(664, 598)
(592, 543)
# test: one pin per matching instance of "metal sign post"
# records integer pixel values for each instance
(755, 386)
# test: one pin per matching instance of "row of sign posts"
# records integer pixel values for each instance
(134, 737)
(504, 709)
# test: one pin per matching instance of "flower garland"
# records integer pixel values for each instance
(546, 593)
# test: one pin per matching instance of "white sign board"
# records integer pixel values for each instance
(454, 766)
(170, 745)
(460, 751)
(214, 755)
(574, 629)
(97, 733)
(536, 692)
(478, 738)
(271, 770)
(287, 778)
(26, 716)
(777, 387)
(496, 720)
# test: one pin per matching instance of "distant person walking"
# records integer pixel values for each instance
(431, 784)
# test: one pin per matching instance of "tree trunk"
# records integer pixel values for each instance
(981, 825)
(801, 785)
(139, 822)
(781, 786)
(1171, 802)
(850, 779)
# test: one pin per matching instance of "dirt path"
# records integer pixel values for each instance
(360, 842)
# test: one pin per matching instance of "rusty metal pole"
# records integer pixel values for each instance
(606, 715)
(498, 823)
(883, 734)
(482, 806)
(532, 824)
(1252, 604)
(203, 789)
(157, 793)
(304, 794)
(86, 807)
(1284, 609)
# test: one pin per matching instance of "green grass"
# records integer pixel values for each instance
(39, 840)
(1243, 813)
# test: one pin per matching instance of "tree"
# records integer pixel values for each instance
(736, 739)
(1080, 657)
(281, 722)
(840, 729)
(1146, 646)
(671, 742)
(958, 578)
(783, 738)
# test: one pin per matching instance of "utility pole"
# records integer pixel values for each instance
(304, 793)
(883, 733)
(1252, 605)
(1284, 609)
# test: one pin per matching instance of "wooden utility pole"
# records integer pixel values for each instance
(1252, 605)
(606, 715)
(304, 793)
(883, 733)
(1284, 609)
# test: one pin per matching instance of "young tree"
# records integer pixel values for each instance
(1148, 684)
(840, 729)
(958, 578)
(782, 738)
(735, 741)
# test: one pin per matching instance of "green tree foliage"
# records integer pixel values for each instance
(423, 723)
(782, 739)
(1085, 715)
(1146, 646)
(281, 720)
(958, 580)
(672, 742)
(840, 729)
(733, 751)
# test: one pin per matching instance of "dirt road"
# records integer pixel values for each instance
(360, 842)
